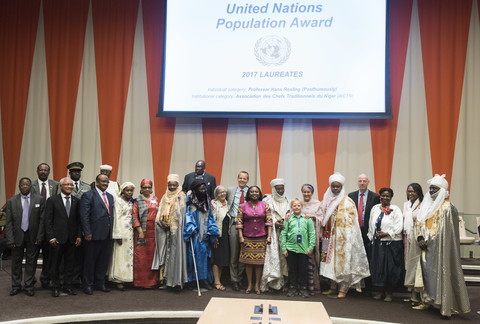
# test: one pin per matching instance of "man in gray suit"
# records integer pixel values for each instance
(46, 188)
(25, 231)
(235, 197)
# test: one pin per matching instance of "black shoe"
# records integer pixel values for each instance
(15, 291)
(30, 292)
(69, 291)
(235, 286)
(103, 288)
(55, 292)
(88, 290)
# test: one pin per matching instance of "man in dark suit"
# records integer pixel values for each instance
(79, 188)
(63, 231)
(369, 199)
(25, 232)
(200, 174)
(364, 201)
(46, 188)
(96, 215)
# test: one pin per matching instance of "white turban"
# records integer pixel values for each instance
(277, 181)
(336, 177)
(173, 178)
(126, 184)
(438, 181)
(106, 167)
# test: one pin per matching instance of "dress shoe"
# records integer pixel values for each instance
(30, 292)
(15, 291)
(304, 293)
(55, 292)
(103, 288)
(69, 291)
(235, 286)
(88, 290)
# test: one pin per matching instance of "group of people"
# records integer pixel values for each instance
(359, 240)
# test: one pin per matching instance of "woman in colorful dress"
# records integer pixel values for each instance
(121, 263)
(144, 213)
(254, 225)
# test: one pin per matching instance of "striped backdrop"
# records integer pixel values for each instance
(80, 79)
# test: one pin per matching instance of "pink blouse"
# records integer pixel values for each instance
(254, 221)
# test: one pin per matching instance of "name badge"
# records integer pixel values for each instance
(37, 205)
(299, 238)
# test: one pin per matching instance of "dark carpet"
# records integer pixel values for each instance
(356, 305)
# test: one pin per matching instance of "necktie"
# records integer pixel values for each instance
(67, 205)
(106, 202)
(76, 186)
(26, 207)
(44, 191)
(360, 211)
(242, 198)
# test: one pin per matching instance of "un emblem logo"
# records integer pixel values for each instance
(272, 50)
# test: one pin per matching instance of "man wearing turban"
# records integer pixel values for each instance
(433, 267)
(343, 257)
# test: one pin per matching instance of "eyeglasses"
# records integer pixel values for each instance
(146, 187)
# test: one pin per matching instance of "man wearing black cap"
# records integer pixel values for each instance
(75, 172)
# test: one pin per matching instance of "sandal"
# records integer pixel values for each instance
(257, 292)
(219, 287)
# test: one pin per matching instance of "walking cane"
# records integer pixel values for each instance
(195, 267)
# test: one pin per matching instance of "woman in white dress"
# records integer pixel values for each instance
(121, 264)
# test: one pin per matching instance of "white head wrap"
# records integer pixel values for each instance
(439, 181)
(173, 178)
(106, 167)
(430, 204)
(330, 201)
(276, 182)
(126, 184)
(336, 177)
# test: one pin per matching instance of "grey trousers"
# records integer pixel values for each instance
(236, 268)
(30, 251)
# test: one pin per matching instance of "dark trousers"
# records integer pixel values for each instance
(297, 269)
(65, 252)
(78, 265)
(30, 251)
(45, 275)
(95, 264)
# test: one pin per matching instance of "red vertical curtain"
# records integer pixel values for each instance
(65, 23)
(114, 23)
(269, 139)
(161, 129)
(18, 32)
(444, 27)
